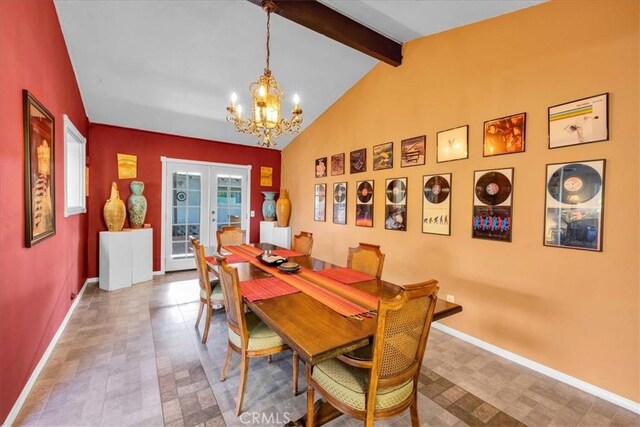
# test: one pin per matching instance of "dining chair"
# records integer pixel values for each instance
(210, 290)
(248, 335)
(303, 242)
(230, 235)
(386, 383)
(366, 258)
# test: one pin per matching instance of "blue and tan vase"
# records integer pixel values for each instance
(269, 205)
(137, 205)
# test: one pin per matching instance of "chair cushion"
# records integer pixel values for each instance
(216, 291)
(261, 337)
(348, 385)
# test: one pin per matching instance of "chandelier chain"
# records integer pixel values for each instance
(268, 36)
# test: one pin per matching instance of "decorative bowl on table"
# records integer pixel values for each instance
(271, 260)
(289, 267)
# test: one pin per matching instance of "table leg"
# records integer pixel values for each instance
(322, 413)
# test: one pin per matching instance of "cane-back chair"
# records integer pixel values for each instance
(210, 290)
(366, 258)
(303, 242)
(248, 335)
(386, 383)
(230, 236)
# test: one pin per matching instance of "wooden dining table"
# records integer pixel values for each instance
(313, 330)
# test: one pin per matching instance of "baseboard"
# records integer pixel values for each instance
(17, 406)
(545, 370)
(158, 273)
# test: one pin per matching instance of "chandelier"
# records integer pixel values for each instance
(265, 120)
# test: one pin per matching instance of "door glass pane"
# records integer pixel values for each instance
(229, 201)
(194, 215)
(179, 233)
(186, 202)
(194, 198)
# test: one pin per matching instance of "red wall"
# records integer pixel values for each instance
(106, 141)
(35, 283)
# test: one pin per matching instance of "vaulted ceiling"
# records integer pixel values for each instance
(170, 66)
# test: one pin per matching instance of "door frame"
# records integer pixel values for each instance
(163, 211)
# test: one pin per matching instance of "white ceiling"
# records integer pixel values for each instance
(170, 66)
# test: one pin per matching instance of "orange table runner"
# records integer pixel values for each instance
(265, 288)
(346, 275)
(286, 253)
(231, 259)
(329, 297)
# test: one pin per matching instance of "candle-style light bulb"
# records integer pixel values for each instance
(262, 91)
(296, 99)
(239, 110)
(234, 98)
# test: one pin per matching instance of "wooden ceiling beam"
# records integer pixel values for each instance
(328, 22)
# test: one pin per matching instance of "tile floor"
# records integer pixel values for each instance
(133, 357)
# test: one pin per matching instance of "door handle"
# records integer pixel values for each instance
(213, 216)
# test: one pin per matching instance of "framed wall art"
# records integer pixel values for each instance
(321, 167)
(579, 122)
(39, 143)
(383, 156)
(266, 176)
(358, 160)
(413, 151)
(395, 209)
(492, 204)
(127, 166)
(337, 164)
(452, 144)
(574, 205)
(436, 204)
(340, 203)
(505, 135)
(320, 203)
(364, 203)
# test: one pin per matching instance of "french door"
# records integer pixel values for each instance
(199, 199)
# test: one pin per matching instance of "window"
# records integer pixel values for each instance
(74, 169)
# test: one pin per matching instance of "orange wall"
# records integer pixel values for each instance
(575, 311)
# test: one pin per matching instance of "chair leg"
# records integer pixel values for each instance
(270, 358)
(243, 382)
(415, 422)
(310, 397)
(295, 373)
(207, 323)
(199, 313)
(226, 363)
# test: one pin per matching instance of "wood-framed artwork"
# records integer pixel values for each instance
(266, 176)
(364, 203)
(39, 143)
(505, 135)
(383, 156)
(321, 167)
(493, 204)
(358, 160)
(413, 151)
(340, 203)
(436, 204)
(574, 201)
(395, 206)
(579, 122)
(320, 203)
(452, 144)
(337, 164)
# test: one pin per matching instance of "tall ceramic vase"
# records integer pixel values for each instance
(269, 205)
(114, 211)
(137, 205)
(283, 209)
